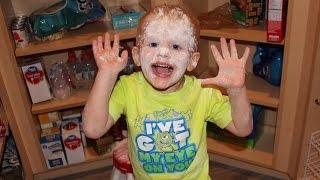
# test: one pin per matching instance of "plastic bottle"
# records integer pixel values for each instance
(75, 67)
(89, 68)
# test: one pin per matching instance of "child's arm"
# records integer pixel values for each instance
(96, 118)
(232, 76)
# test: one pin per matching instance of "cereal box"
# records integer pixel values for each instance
(52, 147)
(70, 130)
(37, 83)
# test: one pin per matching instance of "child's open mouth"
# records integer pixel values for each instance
(162, 70)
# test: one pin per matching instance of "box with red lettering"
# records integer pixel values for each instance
(277, 13)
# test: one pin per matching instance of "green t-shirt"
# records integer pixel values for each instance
(167, 132)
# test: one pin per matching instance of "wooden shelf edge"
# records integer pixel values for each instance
(233, 151)
(78, 98)
(2, 145)
(254, 34)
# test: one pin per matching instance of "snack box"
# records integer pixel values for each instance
(71, 137)
(38, 86)
(76, 113)
(277, 11)
(249, 141)
(246, 12)
(52, 148)
(49, 120)
(125, 17)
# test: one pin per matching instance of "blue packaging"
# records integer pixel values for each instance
(267, 63)
(125, 17)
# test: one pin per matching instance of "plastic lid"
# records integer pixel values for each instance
(85, 55)
(72, 56)
(124, 167)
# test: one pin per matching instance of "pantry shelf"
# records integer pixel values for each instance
(259, 92)
(78, 98)
(84, 36)
(252, 34)
(93, 161)
(76, 38)
(262, 154)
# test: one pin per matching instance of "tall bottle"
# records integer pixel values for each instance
(75, 67)
(89, 68)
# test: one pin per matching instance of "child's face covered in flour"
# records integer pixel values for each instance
(166, 51)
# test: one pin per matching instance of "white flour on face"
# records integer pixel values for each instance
(167, 39)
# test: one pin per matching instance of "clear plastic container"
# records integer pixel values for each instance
(75, 67)
(60, 80)
(89, 68)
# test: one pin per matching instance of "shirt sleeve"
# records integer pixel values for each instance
(117, 101)
(219, 109)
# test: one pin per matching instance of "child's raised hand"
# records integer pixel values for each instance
(231, 69)
(107, 57)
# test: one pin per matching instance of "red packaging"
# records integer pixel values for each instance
(277, 11)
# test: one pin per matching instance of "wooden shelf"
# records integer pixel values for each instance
(77, 38)
(93, 161)
(84, 36)
(252, 34)
(78, 98)
(260, 155)
(259, 92)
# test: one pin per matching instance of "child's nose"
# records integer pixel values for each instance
(164, 52)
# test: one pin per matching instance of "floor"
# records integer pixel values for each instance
(217, 171)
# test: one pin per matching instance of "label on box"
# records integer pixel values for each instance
(72, 141)
(37, 83)
(52, 148)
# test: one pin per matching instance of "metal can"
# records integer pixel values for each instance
(19, 31)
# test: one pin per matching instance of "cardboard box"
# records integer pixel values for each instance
(277, 10)
(49, 120)
(71, 113)
(246, 12)
(37, 83)
(125, 17)
(70, 130)
(52, 148)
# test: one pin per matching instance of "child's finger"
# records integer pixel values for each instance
(115, 47)
(246, 54)
(94, 46)
(100, 46)
(233, 49)
(124, 55)
(224, 48)
(216, 53)
(107, 45)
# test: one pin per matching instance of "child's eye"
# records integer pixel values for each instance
(176, 47)
(153, 44)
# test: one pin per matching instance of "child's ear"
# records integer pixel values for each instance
(194, 59)
(136, 56)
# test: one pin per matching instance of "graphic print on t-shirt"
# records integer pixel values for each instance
(163, 146)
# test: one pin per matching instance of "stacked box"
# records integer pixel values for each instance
(70, 130)
(49, 120)
(104, 144)
(249, 141)
(277, 10)
(52, 147)
(37, 83)
(76, 113)
(246, 12)
(125, 17)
